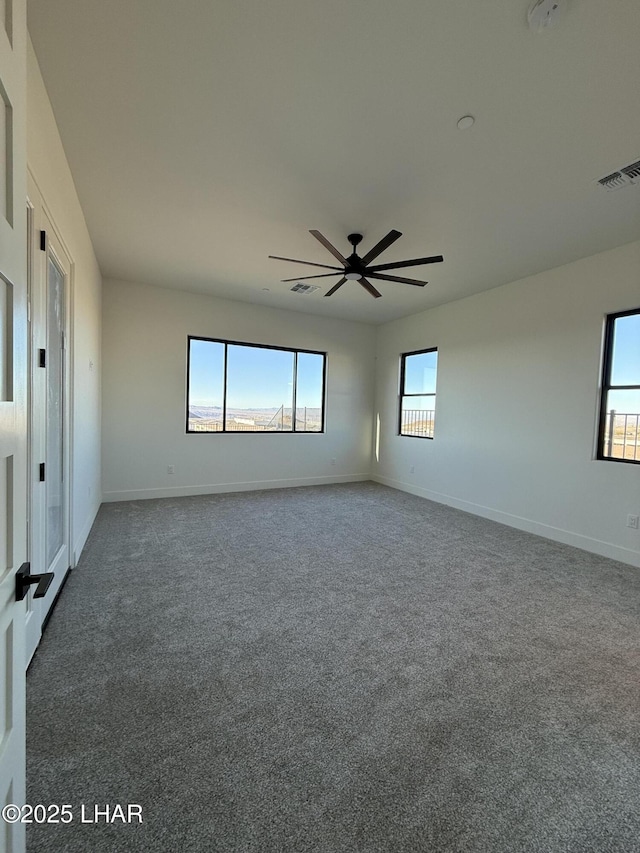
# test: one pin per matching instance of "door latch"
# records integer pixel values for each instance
(24, 579)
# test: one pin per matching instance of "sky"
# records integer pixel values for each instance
(257, 378)
(420, 373)
(625, 369)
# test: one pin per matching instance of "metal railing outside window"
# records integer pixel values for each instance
(622, 436)
(418, 422)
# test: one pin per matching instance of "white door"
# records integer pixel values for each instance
(49, 474)
(13, 414)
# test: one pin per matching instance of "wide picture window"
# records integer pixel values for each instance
(240, 387)
(418, 393)
(619, 434)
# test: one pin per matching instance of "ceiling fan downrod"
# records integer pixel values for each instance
(354, 271)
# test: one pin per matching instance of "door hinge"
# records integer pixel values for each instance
(42, 472)
(43, 241)
(42, 358)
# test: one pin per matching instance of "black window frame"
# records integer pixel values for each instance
(403, 394)
(606, 385)
(295, 352)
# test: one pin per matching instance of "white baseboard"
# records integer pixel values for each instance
(578, 540)
(219, 488)
(81, 540)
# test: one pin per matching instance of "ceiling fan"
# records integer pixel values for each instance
(357, 269)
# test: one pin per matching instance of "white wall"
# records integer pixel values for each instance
(517, 388)
(145, 332)
(48, 165)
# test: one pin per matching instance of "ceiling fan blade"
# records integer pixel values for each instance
(335, 287)
(327, 245)
(304, 277)
(369, 288)
(308, 263)
(379, 248)
(397, 278)
(436, 259)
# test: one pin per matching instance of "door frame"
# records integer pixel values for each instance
(40, 220)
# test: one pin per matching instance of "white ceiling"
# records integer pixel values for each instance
(204, 135)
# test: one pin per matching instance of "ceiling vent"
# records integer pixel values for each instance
(304, 288)
(624, 177)
(632, 171)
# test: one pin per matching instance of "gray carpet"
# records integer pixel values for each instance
(340, 668)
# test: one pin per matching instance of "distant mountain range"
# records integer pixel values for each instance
(205, 412)
(215, 412)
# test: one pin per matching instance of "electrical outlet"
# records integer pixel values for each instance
(633, 521)
(412, 470)
(171, 469)
(333, 461)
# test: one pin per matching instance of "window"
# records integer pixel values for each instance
(619, 433)
(418, 393)
(238, 387)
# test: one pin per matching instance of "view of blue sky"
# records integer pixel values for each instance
(625, 369)
(257, 378)
(420, 374)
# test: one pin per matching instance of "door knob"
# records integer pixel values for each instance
(24, 579)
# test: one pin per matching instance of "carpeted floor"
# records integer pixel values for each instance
(339, 668)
